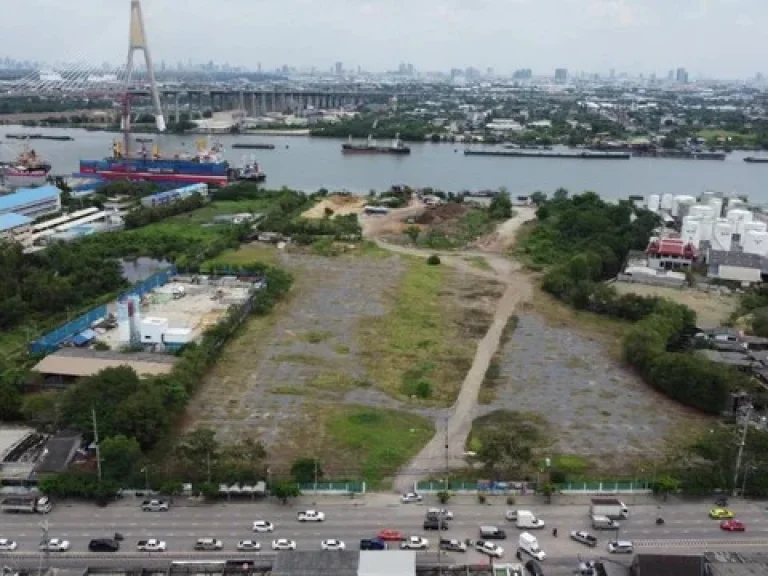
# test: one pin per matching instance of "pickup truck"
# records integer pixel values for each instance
(452, 545)
(311, 516)
(152, 545)
(584, 538)
(155, 506)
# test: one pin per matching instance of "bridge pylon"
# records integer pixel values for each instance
(138, 41)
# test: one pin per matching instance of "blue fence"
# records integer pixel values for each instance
(51, 341)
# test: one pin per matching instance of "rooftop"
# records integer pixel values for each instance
(80, 363)
(389, 563)
(10, 221)
(311, 563)
(737, 563)
(10, 438)
(27, 195)
(668, 565)
(59, 451)
(736, 259)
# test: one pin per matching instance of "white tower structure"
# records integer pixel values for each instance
(138, 41)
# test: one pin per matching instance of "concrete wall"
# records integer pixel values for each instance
(651, 280)
(738, 273)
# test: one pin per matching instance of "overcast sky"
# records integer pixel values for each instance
(721, 38)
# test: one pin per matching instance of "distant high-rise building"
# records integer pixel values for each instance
(612, 73)
(339, 69)
(522, 74)
(671, 75)
(561, 74)
(258, 67)
(681, 76)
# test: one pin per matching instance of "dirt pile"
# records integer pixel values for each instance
(340, 204)
(442, 213)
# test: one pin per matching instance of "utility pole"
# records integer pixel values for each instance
(96, 442)
(441, 515)
(44, 553)
(315, 476)
(208, 464)
(747, 415)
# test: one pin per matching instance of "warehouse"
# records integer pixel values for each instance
(14, 225)
(69, 364)
(32, 202)
(171, 196)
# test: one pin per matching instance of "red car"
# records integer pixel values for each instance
(391, 535)
(732, 526)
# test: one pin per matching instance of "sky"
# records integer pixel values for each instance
(714, 38)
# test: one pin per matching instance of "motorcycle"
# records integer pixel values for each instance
(659, 521)
(723, 502)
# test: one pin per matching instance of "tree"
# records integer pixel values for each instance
(413, 233)
(760, 322)
(505, 451)
(284, 489)
(547, 490)
(443, 496)
(306, 470)
(10, 402)
(41, 410)
(538, 198)
(665, 485)
(120, 457)
(500, 207)
(209, 490)
(433, 260)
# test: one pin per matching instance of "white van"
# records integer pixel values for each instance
(526, 519)
(620, 547)
(530, 545)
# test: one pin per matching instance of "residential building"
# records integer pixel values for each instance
(561, 74)
(670, 254)
(32, 202)
(681, 76)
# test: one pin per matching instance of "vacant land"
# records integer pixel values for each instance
(596, 409)
(246, 254)
(711, 309)
(336, 205)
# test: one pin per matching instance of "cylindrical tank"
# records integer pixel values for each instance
(705, 228)
(717, 205)
(754, 226)
(666, 202)
(735, 203)
(689, 232)
(681, 204)
(707, 197)
(737, 217)
(701, 211)
(755, 242)
(722, 234)
(654, 203)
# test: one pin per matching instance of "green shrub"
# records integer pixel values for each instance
(433, 260)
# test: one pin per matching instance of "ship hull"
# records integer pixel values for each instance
(375, 150)
(157, 177)
(15, 179)
(158, 170)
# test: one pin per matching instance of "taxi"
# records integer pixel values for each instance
(720, 514)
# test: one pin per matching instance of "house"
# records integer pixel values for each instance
(670, 254)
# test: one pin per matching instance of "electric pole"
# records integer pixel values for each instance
(44, 552)
(96, 442)
(441, 515)
(747, 415)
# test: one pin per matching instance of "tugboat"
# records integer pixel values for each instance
(250, 172)
(370, 147)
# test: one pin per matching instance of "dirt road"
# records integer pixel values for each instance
(454, 433)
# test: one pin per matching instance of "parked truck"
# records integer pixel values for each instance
(526, 520)
(604, 523)
(26, 504)
(610, 507)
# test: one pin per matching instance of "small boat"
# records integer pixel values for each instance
(756, 159)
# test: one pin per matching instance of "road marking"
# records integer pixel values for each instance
(698, 543)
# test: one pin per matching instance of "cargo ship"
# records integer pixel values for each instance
(29, 170)
(206, 166)
(756, 159)
(370, 147)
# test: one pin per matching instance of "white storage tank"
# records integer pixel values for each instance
(755, 242)
(681, 205)
(666, 202)
(737, 217)
(152, 330)
(689, 232)
(705, 228)
(701, 211)
(717, 206)
(754, 226)
(722, 235)
(178, 336)
(654, 203)
(735, 203)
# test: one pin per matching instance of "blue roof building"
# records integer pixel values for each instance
(11, 221)
(32, 202)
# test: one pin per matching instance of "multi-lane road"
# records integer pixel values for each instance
(687, 528)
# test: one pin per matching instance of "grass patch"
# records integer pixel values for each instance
(341, 349)
(288, 391)
(379, 441)
(479, 262)
(419, 328)
(206, 214)
(306, 359)
(459, 232)
(316, 336)
(492, 378)
(334, 381)
(243, 255)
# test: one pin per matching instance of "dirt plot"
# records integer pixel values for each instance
(340, 205)
(596, 408)
(711, 309)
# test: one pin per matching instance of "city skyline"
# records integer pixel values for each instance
(634, 36)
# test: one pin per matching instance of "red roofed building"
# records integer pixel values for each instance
(670, 254)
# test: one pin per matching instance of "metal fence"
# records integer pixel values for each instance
(333, 488)
(51, 341)
(598, 487)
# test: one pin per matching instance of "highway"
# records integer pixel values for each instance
(687, 528)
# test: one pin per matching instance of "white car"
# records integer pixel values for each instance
(447, 514)
(263, 526)
(489, 548)
(415, 543)
(7, 545)
(283, 544)
(620, 547)
(55, 545)
(411, 497)
(311, 516)
(151, 545)
(332, 545)
(248, 546)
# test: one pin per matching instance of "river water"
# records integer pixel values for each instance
(305, 163)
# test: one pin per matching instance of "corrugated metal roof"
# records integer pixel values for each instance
(82, 367)
(387, 563)
(26, 195)
(11, 220)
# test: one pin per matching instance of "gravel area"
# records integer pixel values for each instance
(595, 406)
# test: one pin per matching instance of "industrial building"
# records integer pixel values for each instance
(26, 455)
(70, 364)
(12, 226)
(32, 202)
(171, 196)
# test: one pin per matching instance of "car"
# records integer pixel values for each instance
(332, 545)
(435, 523)
(248, 546)
(511, 515)
(411, 497)
(209, 544)
(620, 547)
(283, 544)
(452, 545)
(446, 514)
(155, 506)
(55, 545)
(103, 545)
(389, 535)
(492, 533)
(489, 548)
(7, 545)
(372, 544)
(733, 526)
(415, 543)
(151, 545)
(534, 568)
(584, 538)
(720, 514)
(263, 526)
(311, 516)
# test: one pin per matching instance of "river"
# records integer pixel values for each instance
(305, 163)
